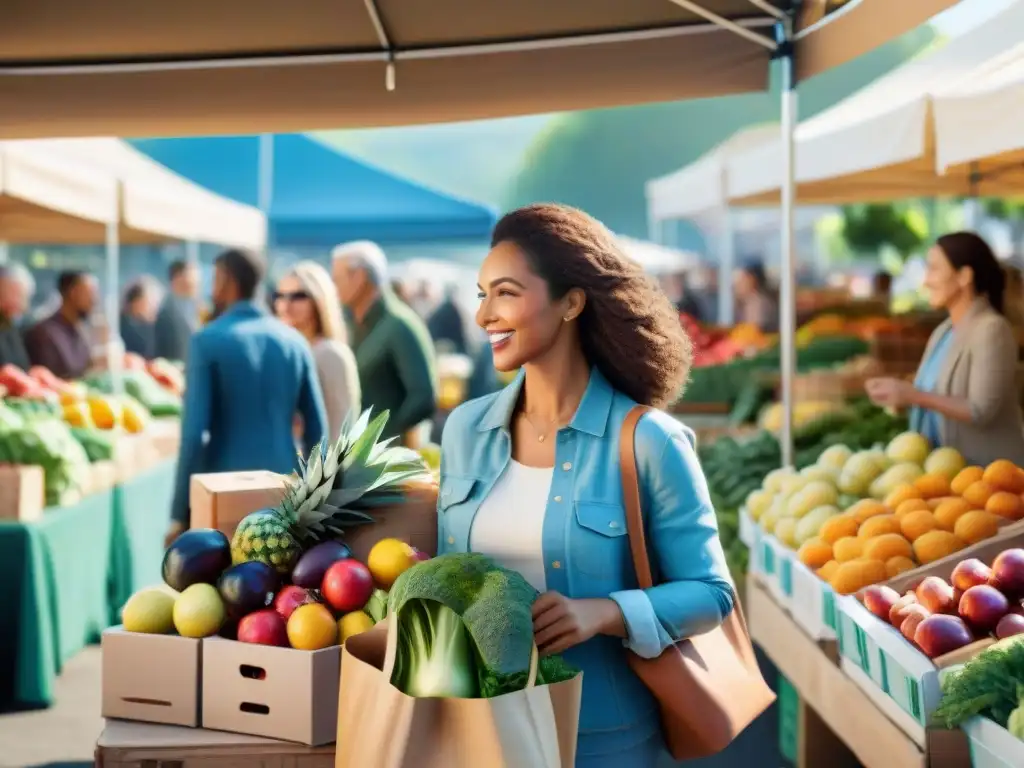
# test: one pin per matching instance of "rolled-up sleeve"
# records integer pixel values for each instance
(693, 592)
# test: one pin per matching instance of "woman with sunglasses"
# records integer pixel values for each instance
(307, 300)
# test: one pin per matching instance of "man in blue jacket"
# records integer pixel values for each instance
(247, 376)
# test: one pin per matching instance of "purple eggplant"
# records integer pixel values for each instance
(313, 564)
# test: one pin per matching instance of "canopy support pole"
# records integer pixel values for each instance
(787, 257)
(726, 266)
(115, 355)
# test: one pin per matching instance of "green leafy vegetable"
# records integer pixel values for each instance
(435, 656)
(492, 604)
(377, 606)
(990, 684)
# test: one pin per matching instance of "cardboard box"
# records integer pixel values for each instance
(774, 567)
(22, 493)
(151, 678)
(992, 746)
(221, 499)
(278, 693)
(140, 745)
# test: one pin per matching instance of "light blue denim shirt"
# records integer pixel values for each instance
(585, 542)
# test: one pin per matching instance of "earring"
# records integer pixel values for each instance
(566, 319)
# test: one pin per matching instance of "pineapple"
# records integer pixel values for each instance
(340, 487)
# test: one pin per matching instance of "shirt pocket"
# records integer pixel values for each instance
(455, 508)
(598, 541)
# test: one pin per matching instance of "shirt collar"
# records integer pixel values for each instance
(591, 416)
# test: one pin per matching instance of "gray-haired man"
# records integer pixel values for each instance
(16, 289)
(393, 349)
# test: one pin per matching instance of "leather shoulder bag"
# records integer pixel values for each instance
(709, 687)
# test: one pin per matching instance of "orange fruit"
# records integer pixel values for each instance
(312, 627)
(934, 503)
(388, 560)
(1005, 504)
(901, 493)
(917, 523)
(353, 623)
(948, 512)
(911, 505)
(964, 478)
(1004, 475)
(865, 509)
(978, 494)
(932, 486)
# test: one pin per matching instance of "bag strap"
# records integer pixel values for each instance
(631, 496)
(634, 511)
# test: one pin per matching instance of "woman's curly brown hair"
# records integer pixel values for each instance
(628, 328)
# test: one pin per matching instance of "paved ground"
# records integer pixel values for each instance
(64, 735)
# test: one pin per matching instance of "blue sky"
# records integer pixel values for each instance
(967, 14)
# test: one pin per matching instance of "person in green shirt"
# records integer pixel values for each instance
(394, 352)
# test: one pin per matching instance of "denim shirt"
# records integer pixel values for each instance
(585, 541)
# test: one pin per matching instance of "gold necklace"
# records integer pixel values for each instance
(541, 435)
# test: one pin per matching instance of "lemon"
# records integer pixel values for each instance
(353, 623)
(312, 627)
(150, 611)
(198, 611)
(388, 560)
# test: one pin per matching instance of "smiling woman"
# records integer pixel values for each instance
(531, 476)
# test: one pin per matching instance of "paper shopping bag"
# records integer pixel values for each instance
(381, 727)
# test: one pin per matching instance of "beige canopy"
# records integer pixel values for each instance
(70, 190)
(881, 142)
(123, 67)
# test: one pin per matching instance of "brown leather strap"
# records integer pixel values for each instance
(631, 496)
(634, 510)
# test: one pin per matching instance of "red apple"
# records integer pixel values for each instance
(1011, 624)
(940, 634)
(290, 598)
(265, 627)
(347, 586)
(898, 612)
(916, 613)
(936, 595)
(880, 600)
(970, 573)
(1008, 573)
(982, 607)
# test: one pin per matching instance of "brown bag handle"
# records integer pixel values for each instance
(634, 511)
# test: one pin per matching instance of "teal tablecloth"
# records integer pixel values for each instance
(65, 577)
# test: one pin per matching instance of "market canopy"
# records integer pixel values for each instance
(978, 122)
(880, 143)
(122, 67)
(701, 186)
(45, 198)
(319, 196)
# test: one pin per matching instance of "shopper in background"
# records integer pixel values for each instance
(531, 475)
(755, 303)
(447, 324)
(393, 350)
(307, 300)
(248, 374)
(178, 317)
(965, 392)
(62, 341)
(138, 316)
(16, 289)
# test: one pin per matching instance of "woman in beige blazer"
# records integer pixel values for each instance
(965, 392)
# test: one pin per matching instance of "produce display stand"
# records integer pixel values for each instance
(838, 724)
(141, 745)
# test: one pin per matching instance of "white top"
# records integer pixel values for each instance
(509, 527)
(339, 381)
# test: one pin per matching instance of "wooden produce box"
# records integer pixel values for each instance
(141, 745)
(22, 493)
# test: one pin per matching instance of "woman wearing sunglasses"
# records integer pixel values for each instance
(307, 300)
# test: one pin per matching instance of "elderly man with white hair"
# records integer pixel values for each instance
(16, 288)
(393, 349)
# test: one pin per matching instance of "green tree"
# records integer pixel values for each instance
(871, 228)
(600, 160)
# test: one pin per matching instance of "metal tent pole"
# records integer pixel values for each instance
(787, 260)
(115, 348)
(726, 265)
(265, 182)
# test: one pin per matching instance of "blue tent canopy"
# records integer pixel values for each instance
(320, 196)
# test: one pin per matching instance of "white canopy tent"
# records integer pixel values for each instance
(880, 143)
(657, 259)
(701, 187)
(978, 121)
